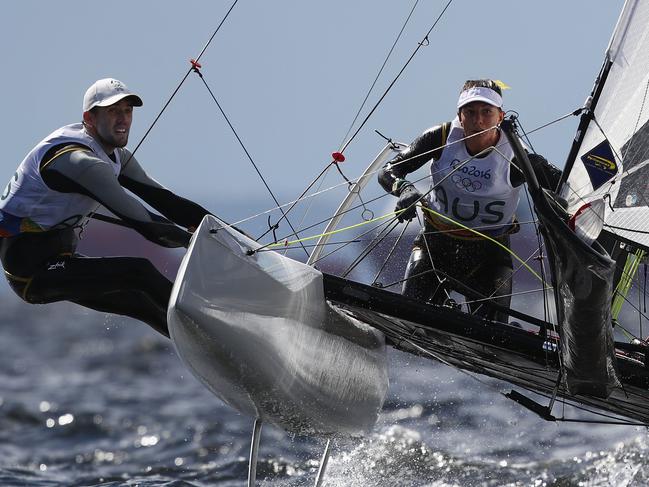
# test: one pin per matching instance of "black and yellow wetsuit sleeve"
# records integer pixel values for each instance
(76, 169)
(427, 146)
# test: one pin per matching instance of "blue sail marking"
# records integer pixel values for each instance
(600, 164)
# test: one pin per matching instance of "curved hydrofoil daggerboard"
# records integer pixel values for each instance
(257, 331)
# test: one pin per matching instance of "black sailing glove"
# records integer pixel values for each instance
(175, 238)
(547, 174)
(407, 201)
(165, 234)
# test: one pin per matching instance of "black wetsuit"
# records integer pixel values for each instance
(439, 262)
(43, 267)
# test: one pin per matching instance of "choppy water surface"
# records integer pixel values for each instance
(93, 400)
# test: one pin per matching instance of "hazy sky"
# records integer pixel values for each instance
(291, 76)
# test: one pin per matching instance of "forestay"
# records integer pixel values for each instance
(612, 160)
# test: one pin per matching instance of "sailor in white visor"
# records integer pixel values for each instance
(62, 181)
(474, 188)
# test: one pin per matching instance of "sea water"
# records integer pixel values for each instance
(89, 399)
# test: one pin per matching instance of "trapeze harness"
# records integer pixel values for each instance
(48, 201)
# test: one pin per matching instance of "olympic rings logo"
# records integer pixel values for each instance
(466, 183)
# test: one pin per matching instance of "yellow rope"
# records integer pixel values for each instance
(631, 266)
(473, 230)
(286, 243)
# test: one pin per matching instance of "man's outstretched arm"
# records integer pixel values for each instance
(80, 171)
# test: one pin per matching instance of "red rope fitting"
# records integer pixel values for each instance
(195, 64)
(338, 157)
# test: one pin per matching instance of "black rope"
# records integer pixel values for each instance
(470, 367)
(384, 223)
(552, 122)
(389, 256)
(326, 220)
(182, 81)
(288, 247)
(640, 292)
(299, 198)
(334, 162)
(196, 69)
(385, 93)
(379, 238)
(633, 306)
(378, 75)
(630, 230)
(525, 135)
(539, 240)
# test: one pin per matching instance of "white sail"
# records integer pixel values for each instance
(613, 159)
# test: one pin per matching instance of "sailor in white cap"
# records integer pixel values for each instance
(474, 188)
(65, 179)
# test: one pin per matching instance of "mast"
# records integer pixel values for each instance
(584, 121)
(612, 51)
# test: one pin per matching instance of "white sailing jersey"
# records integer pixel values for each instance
(28, 198)
(478, 193)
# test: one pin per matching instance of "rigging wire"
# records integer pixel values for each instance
(518, 269)
(574, 113)
(371, 230)
(547, 312)
(333, 232)
(480, 234)
(182, 81)
(459, 166)
(287, 247)
(517, 293)
(576, 192)
(457, 355)
(392, 250)
(331, 188)
(196, 69)
(345, 145)
(423, 42)
(310, 205)
(378, 75)
(368, 249)
(487, 237)
(299, 199)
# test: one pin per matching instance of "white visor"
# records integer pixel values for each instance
(480, 93)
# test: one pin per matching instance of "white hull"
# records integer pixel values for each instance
(256, 330)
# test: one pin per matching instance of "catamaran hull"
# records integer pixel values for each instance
(257, 331)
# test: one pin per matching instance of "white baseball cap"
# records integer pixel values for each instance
(106, 92)
(480, 93)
